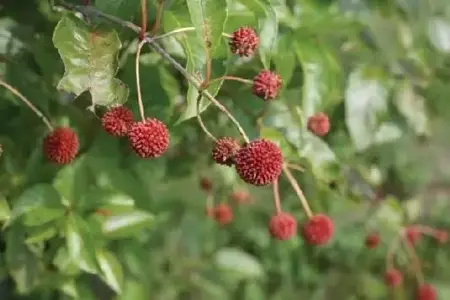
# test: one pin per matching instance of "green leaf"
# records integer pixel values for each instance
(90, 60)
(73, 180)
(133, 290)
(365, 100)
(267, 28)
(114, 202)
(268, 33)
(321, 81)
(80, 244)
(196, 60)
(239, 262)
(439, 34)
(5, 211)
(41, 233)
(126, 224)
(38, 205)
(10, 44)
(285, 59)
(121, 8)
(412, 107)
(209, 17)
(111, 269)
(24, 267)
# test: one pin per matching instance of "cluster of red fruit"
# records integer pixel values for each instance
(411, 236)
(260, 163)
(149, 138)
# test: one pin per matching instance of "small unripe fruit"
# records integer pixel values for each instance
(318, 230)
(372, 240)
(426, 292)
(259, 162)
(240, 196)
(441, 236)
(149, 138)
(205, 184)
(224, 151)
(393, 277)
(223, 214)
(413, 235)
(244, 41)
(61, 145)
(266, 85)
(282, 226)
(117, 121)
(103, 212)
(319, 124)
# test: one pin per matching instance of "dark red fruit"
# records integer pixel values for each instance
(224, 151)
(319, 124)
(61, 145)
(372, 240)
(240, 196)
(149, 138)
(259, 162)
(413, 235)
(283, 226)
(426, 292)
(244, 41)
(117, 121)
(266, 85)
(393, 278)
(205, 184)
(318, 230)
(223, 214)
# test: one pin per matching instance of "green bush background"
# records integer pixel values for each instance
(380, 69)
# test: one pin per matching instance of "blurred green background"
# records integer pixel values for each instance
(380, 69)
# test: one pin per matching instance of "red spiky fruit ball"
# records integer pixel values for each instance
(240, 196)
(372, 240)
(413, 235)
(61, 145)
(282, 226)
(224, 151)
(117, 121)
(244, 41)
(319, 124)
(259, 162)
(149, 138)
(426, 292)
(266, 85)
(206, 184)
(223, 214)
(318, 230)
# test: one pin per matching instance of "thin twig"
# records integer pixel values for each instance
(243, 80)
(298, 191)
(138, 79)
(157, 48)
(180, 30)
(276, 196)
(28, 103)
(143, 20)
(199, 119)
(296, 167)
(415, 259)
(173, 32)
(158, 18)
(391, 252)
